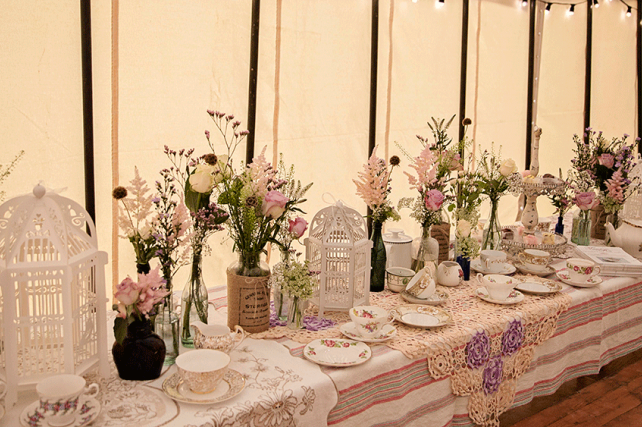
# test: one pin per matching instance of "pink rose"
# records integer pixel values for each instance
(297, 227)
(586, 200)
(606, 160)
(274, 204)
(127, 291)
(455, 163)
(434, 199)
(122, 311)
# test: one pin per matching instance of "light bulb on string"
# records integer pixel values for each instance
(524, 3)
(628, 11)
(596, 4)
(571, 10)
(414, 1)
(548, 8)
(440, 4)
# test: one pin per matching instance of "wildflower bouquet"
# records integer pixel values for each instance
(373, 187)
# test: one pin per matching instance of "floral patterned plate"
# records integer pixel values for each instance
(422, 316)
(33, 416)
(231, 385)
(566, 278)
(513, 298)
(539, 287)
(349, 329)
(521, 267)
(437, 298)
(337, 352)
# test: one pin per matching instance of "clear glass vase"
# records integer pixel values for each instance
(281, 300)
(377, 259)
(194, 298)
(582, 228)
(428, 252)
(492, 234)
(295, 313)
(167, 327)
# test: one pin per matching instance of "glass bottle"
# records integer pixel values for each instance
(428, 252)
(295, 313)
(377, 259)
(194, 298)
(584, 228)
(492, 234)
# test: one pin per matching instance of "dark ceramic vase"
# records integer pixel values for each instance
(464, 263)
(141, 355)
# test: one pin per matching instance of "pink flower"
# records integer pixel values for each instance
(455, 163)
(297, 227)
(152, 291)
(606, 160)
(586, 200)
(434, 199)
(274, 204)
(346, 344)
(127, 291)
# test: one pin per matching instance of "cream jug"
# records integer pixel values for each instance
(216, 337)
(398, 248)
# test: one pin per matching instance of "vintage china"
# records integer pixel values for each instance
(60, 396)
(350, 330)
(499, 287)
(539, 287)
(566, 278)
(398, 278)
(398, 248)
(513, 298)
(34, 416)
(492, 261)
(524, 269)
(628, 236)
(438, 297)
(202, 370)
(581, 270)
(337, 352)
(216, 337)
(477, 266)
(231, 385)
(422, 316)
(369, 320)
(534, 259)
(449, 273)
(422, 284)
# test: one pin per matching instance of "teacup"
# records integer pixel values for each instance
(544, 224)
(580, 270)
(60, 395)
(422, 285)
(499, 286)
(449, 273)
(216, 337)
(534, 259)
(493, 261)
(369, 319)
(397, 278)
(202, 370)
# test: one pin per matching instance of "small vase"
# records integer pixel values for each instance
(464, 263)
(492, 234)
(377, 259)
(194, 298)
(143, 268)
(295, 313)
(582, 229)
(248, 295)
(428, 253)
(166, 325)
(559, 227)
(141, 355)
(598, 221)
(441, 232)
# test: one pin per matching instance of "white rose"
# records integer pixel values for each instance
(202, 180)
(463, 228)
(508, 167)
(222, 170)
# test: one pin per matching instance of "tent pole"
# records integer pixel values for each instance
(374, 50)
(463, 68)
(254, 63)
(87, 107)
(589, 58)
(639, 67)
(531, 83)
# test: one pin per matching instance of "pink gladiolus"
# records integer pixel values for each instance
(297, 227)
(274, 204)
(434, 199)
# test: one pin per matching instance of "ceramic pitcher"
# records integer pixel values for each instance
(216, 337)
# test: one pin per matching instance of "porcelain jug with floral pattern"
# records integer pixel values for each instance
(216, 337)
(628, 236)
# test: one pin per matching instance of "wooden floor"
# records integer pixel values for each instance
(611, 398)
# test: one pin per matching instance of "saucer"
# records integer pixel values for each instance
(231, 385)
(477, 266)
(33, 416)
(513, 298)
(337, 352)
(566, 278)
(422, 316)
(539, 287)
(549, 270)
(349, 330)
(437, 298)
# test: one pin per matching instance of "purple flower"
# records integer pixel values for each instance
(477, 350)
(493, 375)
(512, 338)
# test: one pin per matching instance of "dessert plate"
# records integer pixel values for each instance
(477, 266)
(539, 287)
(513, 298)
(422, 316)
(337, 352)
(34, 416)
(350, 330)
(437, 298)
(566, 278)
(232, 384)
(524, 269)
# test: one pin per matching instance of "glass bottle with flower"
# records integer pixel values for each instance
(373, 186)
(298, 283)
(562, 201)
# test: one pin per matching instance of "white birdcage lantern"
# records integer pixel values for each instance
(633, 205)
(338, 247)
(52, 302)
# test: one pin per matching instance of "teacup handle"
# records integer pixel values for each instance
(596, 270)
(238, 331)
(480, 278)
(393, 315)
(92, 390)
(520, 257)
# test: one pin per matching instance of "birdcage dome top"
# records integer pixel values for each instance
(46, 228)
(633, 206)
(338, 224)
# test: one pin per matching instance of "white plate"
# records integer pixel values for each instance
(513, 298)
(477, 266)
(521, 267)
(539, 287)
(566, 278)
(422, 316)
(349, 330)
(337, 352)
(231, 385)
(88, 411)
(437, 298)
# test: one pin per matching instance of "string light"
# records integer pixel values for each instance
(548, 8)
(571, 10)
(440, 3)
(414, 1)
(596, 4)
(628, 11)
(524, 3)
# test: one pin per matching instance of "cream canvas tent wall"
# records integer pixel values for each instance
(158, 65)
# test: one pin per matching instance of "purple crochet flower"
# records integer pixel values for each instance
(493, 375)
(477, 350)
(513, 338)
(314, 323)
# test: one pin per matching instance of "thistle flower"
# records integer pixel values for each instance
(467, 122)
(119, 193)
(210, 159)
(395, 160)
(251, 202)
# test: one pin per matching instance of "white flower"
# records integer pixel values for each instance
(202, 180)
(145, 231)
(463, 228)
(508, 167)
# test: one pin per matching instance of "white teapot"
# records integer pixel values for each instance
(628, 236)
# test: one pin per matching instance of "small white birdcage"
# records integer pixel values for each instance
(633, 205)
(52, 282)
(339, 248)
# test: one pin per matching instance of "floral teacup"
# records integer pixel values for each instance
(499, 286)
(369, 319)
(60, 396)
(580, 269)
